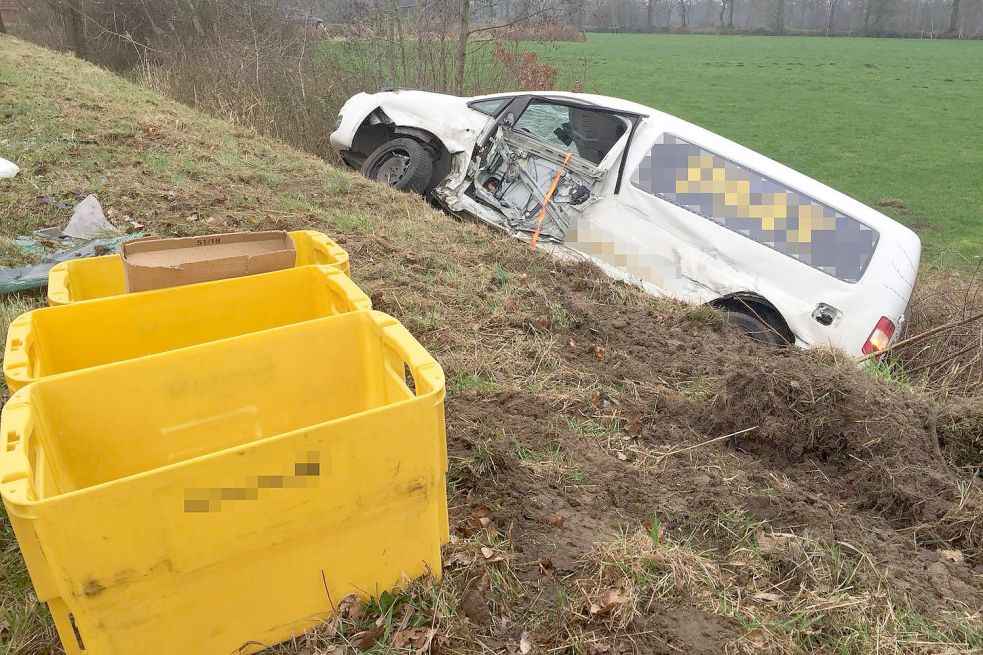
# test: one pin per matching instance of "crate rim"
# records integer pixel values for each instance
(21, 398)
(24, 320)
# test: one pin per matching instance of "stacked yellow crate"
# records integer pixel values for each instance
(207, 469)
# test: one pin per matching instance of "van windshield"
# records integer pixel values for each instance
(757, 207)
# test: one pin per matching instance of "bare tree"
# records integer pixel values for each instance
(830, 15)
(462, 46)
(728, 7)
(777, 15)
(77, 29)
(954, 17)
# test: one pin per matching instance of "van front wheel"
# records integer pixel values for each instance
(401, 163)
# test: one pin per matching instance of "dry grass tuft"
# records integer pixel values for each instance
(789, 593)
(951, 362)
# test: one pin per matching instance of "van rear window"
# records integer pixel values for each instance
(756, 206)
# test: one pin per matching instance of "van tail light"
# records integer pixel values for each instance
(880, 336)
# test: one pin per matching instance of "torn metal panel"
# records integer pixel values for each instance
(514, 176)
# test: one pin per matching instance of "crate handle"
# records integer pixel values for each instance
(427, 374)
(20, 336)
(59, 285)
(323, 249)
(347, 292)
(15, 435)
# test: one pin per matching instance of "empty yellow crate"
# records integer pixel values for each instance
(98, 277)
(56, 340)
(219, 498)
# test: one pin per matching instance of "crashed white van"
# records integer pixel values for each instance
(650, 199)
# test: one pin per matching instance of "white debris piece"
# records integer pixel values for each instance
(88, 221)
(8, 168)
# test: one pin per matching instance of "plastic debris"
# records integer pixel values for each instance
(88, 220)
(36, 276)
(8, 168)
(49, 233)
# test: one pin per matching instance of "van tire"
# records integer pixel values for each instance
(755, 328)
(403, 164)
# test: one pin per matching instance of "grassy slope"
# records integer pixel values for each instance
(875, 118)
(576, 409)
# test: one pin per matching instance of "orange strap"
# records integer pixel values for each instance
(546, 199)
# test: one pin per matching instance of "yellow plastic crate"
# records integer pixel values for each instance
(219, 498)
(56, 340)
(98, 277)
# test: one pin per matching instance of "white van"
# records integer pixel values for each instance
(650, 199)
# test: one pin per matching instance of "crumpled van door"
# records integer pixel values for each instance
(543, 144)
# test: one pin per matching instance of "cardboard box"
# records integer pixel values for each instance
(160, 263)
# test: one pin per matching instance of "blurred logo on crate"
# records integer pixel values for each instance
(305, 476)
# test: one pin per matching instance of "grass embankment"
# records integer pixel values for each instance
(589, 512)
(893, 120)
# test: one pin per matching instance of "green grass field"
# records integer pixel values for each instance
(875, 118)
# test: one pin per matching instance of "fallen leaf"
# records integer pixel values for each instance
(757, 637)
(953, 556)
(546, 564)
(523, 280)
(768, 597)
(484, 582)
(481, 515)
(463, 529)
(773, 542)
(634, 425)
(609, 601)
(330, 627)
(418, 639)
(525, 643)
(350, 607)
(367, 639)
(556, 520)
(622, 456)
(571, 343)
(599, 352)
(459, 558)
(490, 555)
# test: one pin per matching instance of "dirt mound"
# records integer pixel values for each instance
(884, 445)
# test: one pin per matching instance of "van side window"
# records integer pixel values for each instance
(491, 106)
(590, 133)
(757, 207)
